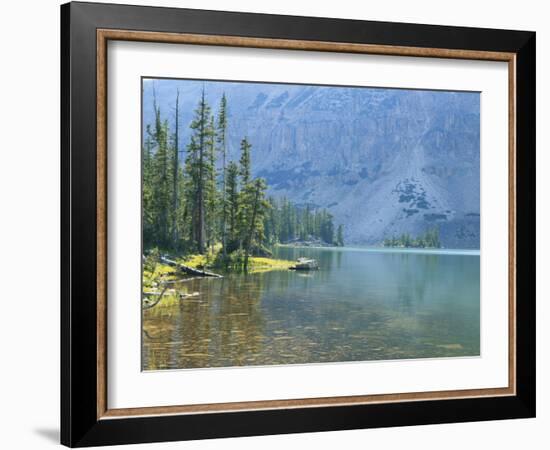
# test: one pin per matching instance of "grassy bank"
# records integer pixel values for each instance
(155, 272)
(256, 264)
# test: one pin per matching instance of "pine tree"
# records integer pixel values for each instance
(191, 183)
(198, 169)
(158, 179)
(308, 222)
(272, 223)
(245, 162)
(326, 227)
(221, 137)
(175, 170)
(147, 189)
(232, 205)
(183, 222)
(340, 236)
(257, 210)
(161, 184)
(246, 196)
(211, 194)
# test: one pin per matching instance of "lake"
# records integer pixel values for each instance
(362, 305)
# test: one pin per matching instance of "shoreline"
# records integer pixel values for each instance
(164, 272)
(382, 249)
(262, 264)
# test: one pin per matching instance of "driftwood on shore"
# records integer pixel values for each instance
(189, 270)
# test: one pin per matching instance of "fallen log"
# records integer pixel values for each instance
(189, 270)
(181, 280)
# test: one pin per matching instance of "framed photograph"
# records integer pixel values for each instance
(276, 224)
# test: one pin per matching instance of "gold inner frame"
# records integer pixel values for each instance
(104, 35)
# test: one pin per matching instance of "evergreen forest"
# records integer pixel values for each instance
(195, 199)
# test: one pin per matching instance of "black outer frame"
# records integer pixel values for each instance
(79, 424)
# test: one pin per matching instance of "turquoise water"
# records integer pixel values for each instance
(362, 305)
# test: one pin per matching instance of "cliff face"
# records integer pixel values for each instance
(383, 161)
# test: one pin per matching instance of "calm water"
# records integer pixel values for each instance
(361, 305)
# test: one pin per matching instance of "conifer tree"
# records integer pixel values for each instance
(198, 169)
(175, 170)
(211, 194)
(191, 174)
(147, 194)
(246, 194)
(161, 184)
(245, 162)
(258, 207)
(232, 205)
(272, 223)
(159, 179)
(221, 137)
(340, 236)
(326, 227)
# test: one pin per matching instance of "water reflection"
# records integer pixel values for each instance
(360, 306)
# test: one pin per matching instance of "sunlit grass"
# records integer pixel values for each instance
(195, 261)
(256, 264)
(162, 272)
(262, 264)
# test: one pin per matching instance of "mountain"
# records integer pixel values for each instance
(383, 161)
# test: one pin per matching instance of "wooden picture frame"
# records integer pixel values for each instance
(86, 418)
